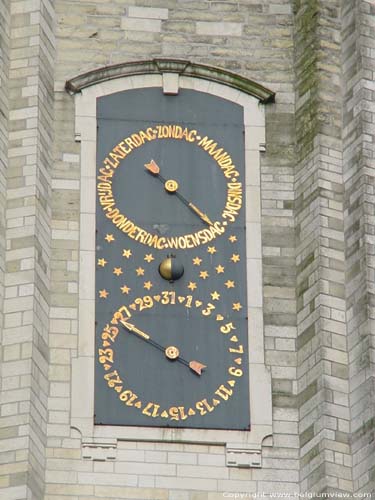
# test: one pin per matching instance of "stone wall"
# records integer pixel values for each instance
(358, 175)
(336, 418)
(4, 117)
(323, 380)
(26, 304)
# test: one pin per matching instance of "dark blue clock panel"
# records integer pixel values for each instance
(171, 307)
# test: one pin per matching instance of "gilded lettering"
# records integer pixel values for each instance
(191, 240)
(141, 235)
(191, 136)
(185, 134)
(217, 229)
(122, 147)
(115, 157)
(107, 161)
(106, 198)
(119, 151)
(181, 242)
(130, 143)
(104, 187)
(150, 135)
(125, 224)
(177, 132)
(137, 140)
(112, 213)
(205, 143)
(106, 172)
(172, 242)
(204, 236)
(153, 241)
(161, 244)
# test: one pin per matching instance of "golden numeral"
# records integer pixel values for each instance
(151, 410)
(208, 310)
(118, 316)
(227, 328)
(239, 350)
(105, 356)
(224, 392)
(125, 310)
(109, 332)
(203, 407)
(189, 300)
(168, 297)
(177, 413)
(112, 381)
(235, 372)
(128, 397)
(144, 303)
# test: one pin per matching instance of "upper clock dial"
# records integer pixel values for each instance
(170, 185)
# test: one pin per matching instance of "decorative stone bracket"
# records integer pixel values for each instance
(236, 456)
(243, 457)
(101, 451)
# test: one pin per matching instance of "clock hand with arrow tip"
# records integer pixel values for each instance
(171, 186)
(170, 352)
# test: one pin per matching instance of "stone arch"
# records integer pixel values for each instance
(170, 66)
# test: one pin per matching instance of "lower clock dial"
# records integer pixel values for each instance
(170, 359)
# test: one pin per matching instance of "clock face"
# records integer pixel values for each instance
(171, 310)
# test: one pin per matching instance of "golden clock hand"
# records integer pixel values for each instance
(154, 169)
(203, 216)
(171, 352)
(134, 329)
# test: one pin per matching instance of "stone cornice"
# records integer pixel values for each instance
(160, 66)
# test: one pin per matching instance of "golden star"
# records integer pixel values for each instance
(197, 261)
(236, 306)
(215, 296)
(140, 271)
(125, 289)
(229, 284)
(211, 250)
(109, 238)
(204, 275)
(126, 253)
(232, 238)
(148, 285)
(219, 269)
(235, 257)
(117, 271)
(149, 257)
(103, 294)
(192, 286)
(102, 262)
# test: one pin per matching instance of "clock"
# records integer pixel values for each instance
(171, 305)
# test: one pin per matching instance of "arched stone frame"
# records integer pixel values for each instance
(243, 447)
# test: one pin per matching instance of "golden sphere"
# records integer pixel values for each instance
(171, 269)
